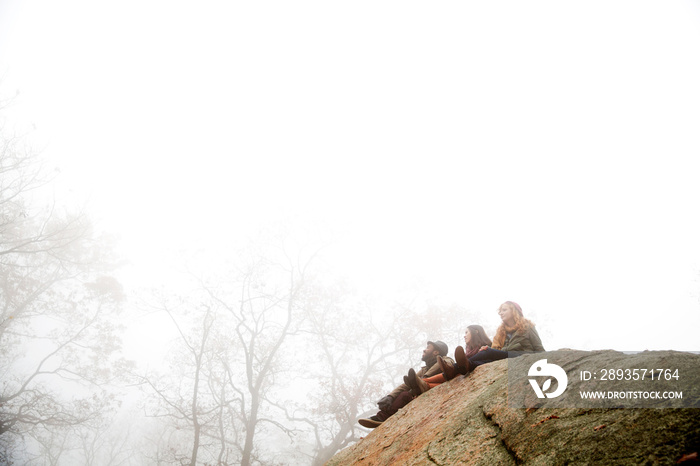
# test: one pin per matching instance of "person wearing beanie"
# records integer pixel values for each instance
(403, 394)
(516, 335)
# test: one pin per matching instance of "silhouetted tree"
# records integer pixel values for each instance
(232, 327)
(57, 336)
(181, 394)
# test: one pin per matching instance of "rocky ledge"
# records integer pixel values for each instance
(468, 421)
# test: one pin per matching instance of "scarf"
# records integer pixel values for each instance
(472, 352)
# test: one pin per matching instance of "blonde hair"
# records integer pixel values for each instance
(521, 325)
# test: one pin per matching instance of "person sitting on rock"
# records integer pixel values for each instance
(474, 338)
(402, 394)
(516, 335)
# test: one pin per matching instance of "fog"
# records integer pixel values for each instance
(391, 165)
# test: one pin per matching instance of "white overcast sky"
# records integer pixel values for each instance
(541, 152)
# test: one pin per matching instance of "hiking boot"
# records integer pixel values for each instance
(447, 368)
(421, 384)
(463, 365)
(412, 381)
(370, 423)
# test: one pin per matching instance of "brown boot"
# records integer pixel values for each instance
(421, 384)
(410, 380)
(411, 385)
(463, 365)
(447, 368)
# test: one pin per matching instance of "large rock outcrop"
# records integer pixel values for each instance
(468, 421)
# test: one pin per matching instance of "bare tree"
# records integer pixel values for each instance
(54, 445)
(55, 299)
(105, 444)
(182, 395)
(228, 353)
(264, 317)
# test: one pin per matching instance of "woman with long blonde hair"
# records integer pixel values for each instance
(516, 335)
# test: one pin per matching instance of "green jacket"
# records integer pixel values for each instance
(528, 341)
(424, 372)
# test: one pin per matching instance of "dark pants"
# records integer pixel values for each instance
(401, 400)
(491, 355)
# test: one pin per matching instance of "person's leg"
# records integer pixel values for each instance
(401, 400)
(486, 356)
(435, 380)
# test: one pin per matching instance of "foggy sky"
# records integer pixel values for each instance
(541, 153)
